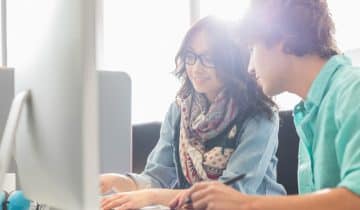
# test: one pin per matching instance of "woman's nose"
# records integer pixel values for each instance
(251, 71)
(198, 66)
(251, 67)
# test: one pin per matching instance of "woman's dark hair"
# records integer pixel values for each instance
(303, 26)
(231, 62)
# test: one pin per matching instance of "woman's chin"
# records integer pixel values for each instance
(200, 89)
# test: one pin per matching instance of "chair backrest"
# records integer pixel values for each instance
(145, 137)
(287, 153)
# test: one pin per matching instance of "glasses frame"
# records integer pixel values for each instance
(197, 57)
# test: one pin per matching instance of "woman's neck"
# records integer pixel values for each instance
(212, 96)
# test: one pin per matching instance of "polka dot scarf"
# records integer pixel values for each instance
(201, 122)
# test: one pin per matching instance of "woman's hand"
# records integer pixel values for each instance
(128, 200)
(180, 200)
(217, 196)
(117, 182)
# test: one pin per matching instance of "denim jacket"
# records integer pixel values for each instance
(253, 155)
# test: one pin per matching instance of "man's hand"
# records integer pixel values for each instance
(217, 196)
(180, 199)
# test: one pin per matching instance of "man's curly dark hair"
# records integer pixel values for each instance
(303, 26)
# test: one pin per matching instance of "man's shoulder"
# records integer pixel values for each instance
(346, 81)
(348, 73)
(344, 91)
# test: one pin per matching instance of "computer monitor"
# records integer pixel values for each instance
(6, 94)
(51, 45)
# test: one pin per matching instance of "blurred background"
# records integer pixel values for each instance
(141, 37)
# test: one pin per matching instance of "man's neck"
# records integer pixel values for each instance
(304, 71)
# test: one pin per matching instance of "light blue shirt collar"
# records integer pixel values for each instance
(321, 83)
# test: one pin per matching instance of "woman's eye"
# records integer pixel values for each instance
(207, 59)
(190, 58)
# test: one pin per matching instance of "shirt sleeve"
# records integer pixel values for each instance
(348, 141)
(255, 157)
(160, 171)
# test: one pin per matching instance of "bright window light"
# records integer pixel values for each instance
(142, 39)
(286, 101)
(346, 15)
(227, 9)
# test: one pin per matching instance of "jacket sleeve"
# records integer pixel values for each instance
(255, 157)
(160, 171)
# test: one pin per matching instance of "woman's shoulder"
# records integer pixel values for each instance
(173, 114)
(264, 116)
(259, 127)
(261, 120)
(174, 109)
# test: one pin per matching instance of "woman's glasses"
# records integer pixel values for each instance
(190, 58)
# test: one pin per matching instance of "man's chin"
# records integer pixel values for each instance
(271, 92)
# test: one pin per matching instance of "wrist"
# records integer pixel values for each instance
(123, 183)
(161, 196)
(254, 202)
(130, 183)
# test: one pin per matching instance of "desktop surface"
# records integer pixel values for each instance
(156, 207)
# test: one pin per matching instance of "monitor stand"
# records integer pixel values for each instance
(8, 139)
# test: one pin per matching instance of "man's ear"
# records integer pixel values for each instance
(287, 44)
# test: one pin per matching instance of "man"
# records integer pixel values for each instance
(294, 50)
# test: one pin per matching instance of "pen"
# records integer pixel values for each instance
(227, 182)
(234, 179)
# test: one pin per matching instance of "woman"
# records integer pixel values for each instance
(220, 125)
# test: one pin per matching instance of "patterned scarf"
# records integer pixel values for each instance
(201, 122)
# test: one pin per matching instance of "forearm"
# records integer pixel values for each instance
(124, 184)
(334, 199)
(163, 196)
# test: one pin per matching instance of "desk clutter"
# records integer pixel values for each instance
(16, 200)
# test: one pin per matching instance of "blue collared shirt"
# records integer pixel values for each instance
(254, 155)
(328, 124)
